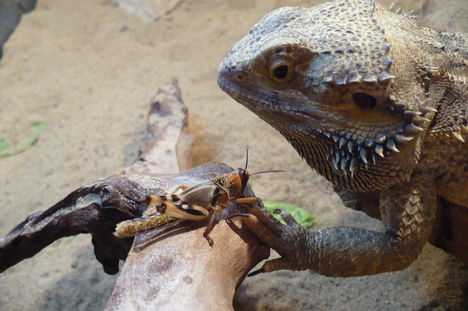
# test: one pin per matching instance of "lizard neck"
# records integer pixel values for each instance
(319, 152)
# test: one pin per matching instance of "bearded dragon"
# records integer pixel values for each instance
(375, 104)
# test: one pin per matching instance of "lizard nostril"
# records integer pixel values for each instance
(240, 76)
(364, 101)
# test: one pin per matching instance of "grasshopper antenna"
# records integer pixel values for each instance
(261, 172)
(246, 157)
(269, 171)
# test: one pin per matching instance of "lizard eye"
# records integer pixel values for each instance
(281, 70)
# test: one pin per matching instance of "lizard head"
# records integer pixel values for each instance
(324, 78)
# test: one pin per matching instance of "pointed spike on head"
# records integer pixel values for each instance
(403, 138)
(391, 145)
(350, 146)
(327, 79)
(363, 155)
(355, 78)
(352, 165)
(342, 142)
(379, 150)
(335, 161)
(386, 47)
(370, 79)
(420, 120)
(380, 139)
(343, 164)
(341, 81)
(385, 77)
(458, 136)
(412, 113)
(387, 61)
(413, 129)
(425, 110)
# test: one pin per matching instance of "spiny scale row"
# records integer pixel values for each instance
(398, 10)
(347, 152)
(411, 115)
(349, 149)
(354, 77)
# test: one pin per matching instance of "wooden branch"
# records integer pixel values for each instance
(94, 208)
(182, 271)
(179, 270)
(167, 145)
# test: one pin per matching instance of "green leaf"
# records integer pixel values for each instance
(3, 145)
(302, 217)
(38, 128)
(23, 142)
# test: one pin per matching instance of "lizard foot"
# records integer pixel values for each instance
(282, 238)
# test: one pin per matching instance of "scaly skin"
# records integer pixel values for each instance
(372, 102)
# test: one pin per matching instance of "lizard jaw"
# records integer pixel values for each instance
(345, 153)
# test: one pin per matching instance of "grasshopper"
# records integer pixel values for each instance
(197, 203)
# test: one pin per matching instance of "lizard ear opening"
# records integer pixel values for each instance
(364, 100)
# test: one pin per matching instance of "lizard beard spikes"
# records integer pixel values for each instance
(348, 150)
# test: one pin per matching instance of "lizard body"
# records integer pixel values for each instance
(373, 102)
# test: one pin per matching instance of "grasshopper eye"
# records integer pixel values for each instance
(281, 70)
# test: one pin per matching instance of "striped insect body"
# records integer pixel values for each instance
(197, 203)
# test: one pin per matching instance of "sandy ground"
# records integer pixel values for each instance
(87, 70)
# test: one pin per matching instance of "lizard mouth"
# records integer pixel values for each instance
(347, 143)
(269, 104)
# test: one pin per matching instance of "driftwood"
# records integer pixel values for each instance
(170, 268)
(181, 271)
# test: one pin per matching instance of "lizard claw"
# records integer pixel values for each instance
(287, 217)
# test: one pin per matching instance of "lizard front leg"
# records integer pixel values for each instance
(407, 210)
